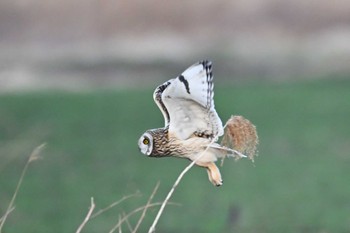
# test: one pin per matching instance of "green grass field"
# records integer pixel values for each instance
(298, 183)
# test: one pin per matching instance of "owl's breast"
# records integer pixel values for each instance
(205, 156)
(197, 148)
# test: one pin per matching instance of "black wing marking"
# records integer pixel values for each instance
(187, 101)
(157, 95)
(185, 82)
(207, 65)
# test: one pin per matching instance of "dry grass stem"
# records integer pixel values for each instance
(126, 217)
(36, 153)
(114, 204)
(128, 223)
(240, 134)
(9, 211)
(88, 216)
(164, 203)
(120, 226)
(34, 156)
(145, 209)
(153, 226)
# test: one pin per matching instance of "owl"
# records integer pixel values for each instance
(192, 125)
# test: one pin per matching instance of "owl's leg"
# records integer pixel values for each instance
(213, 172)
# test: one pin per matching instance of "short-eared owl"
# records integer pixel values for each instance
(192, 125)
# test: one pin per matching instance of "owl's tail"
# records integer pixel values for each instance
(240, 135)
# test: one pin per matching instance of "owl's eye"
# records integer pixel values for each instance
(145, 141)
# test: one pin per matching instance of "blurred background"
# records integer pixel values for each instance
(75, 44)
(79, 75)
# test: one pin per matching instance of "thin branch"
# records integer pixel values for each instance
(120, 226)
(145, 209)
(33, 156)
(9, 211)
(152, 229)
(136, 211)
(114, 204)
(128, 223)
(88, 216)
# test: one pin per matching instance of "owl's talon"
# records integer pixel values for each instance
(218, 184)
(213, 173)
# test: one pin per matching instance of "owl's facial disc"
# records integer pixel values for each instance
(146, 143)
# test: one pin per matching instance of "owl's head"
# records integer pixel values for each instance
(146, 143)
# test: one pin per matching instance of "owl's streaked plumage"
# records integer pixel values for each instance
(192, 125)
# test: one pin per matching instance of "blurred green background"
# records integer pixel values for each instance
(79, 76)
(299, 182)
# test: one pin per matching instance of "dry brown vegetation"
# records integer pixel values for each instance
(240, 134)
(35, 155)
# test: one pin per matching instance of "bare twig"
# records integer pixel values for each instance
(114, 204)
(9, 211)
(120, 226)
(33, 156)
(153, 226)
(136, 211)
(145, 209)
(128, 223)
(88, 216)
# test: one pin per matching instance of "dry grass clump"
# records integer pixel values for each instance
(240, 134)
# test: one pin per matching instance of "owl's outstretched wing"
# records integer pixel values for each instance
(187, 103)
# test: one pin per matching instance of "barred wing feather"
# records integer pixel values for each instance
(187, 103)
